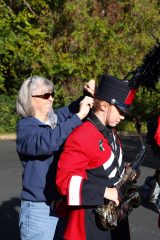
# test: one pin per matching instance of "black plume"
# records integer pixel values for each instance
(147, 75)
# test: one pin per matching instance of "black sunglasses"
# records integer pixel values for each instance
(45, 95)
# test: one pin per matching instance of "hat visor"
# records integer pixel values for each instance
(123, 109)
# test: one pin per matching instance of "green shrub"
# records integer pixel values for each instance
(8, 116)
(129, 126)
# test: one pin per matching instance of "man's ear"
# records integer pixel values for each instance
(104, 106)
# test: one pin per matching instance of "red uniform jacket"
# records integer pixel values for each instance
(86, 167)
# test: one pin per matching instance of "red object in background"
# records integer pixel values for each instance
(157, 134)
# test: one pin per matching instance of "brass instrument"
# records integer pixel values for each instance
(109, 214)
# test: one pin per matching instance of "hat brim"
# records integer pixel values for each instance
(123, 109)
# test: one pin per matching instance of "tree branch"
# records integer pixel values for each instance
(29, 7)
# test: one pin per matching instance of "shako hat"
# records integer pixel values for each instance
(122, 92)
(114, 91)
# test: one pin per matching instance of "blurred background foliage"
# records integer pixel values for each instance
(72, 41)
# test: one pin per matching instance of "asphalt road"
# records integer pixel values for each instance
(143, 220)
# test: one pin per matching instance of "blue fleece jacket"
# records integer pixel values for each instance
(38, 147)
